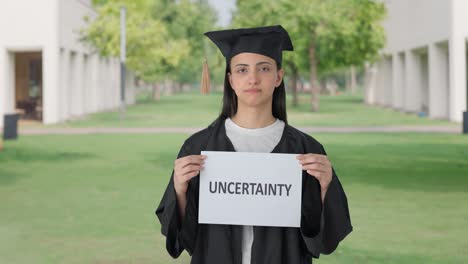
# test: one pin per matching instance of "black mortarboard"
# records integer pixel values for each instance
(269, 41)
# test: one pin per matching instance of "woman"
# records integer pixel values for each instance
(253, 119)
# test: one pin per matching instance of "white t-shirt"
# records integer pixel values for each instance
(252, 140)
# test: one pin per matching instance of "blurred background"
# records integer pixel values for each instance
(91, 125)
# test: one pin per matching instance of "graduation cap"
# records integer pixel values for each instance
(269, 41)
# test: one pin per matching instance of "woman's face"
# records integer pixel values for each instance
(254, 78)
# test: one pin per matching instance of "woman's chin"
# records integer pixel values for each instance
(253, 102)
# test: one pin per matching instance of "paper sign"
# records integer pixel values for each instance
(241, 188)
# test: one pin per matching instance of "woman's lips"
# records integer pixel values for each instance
(252, 90)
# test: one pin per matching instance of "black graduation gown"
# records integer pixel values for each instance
(321, 228)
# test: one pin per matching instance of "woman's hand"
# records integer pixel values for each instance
(319, 167)
(185, 169)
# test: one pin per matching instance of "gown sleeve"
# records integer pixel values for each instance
(180, 233)
(334, 222)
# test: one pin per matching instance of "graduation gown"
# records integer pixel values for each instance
(322, 226)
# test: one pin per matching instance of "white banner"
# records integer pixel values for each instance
(241, 188)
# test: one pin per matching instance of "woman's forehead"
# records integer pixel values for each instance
(250, 58)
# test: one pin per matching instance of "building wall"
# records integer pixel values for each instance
(427, 41)
(25, 25)
(76, 80)
(413, 24)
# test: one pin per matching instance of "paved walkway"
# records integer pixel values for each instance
(153, 130)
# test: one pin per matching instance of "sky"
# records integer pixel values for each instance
(223, 8)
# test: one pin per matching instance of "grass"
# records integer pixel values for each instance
(91, 198)
(195, 110)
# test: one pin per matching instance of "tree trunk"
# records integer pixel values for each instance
(156, 91)
(353, 80)
(294, 75)
(168, 87)
(177, 87)
(315, 88)
(347, 81)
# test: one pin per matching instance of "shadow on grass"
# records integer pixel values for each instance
(22, 154)
(16, 157)
(8, 176)
(354, 255)
(328, 104)
(421, 167)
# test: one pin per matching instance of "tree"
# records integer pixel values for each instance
(187, 20)
(256, 13)
(150, 51)
(329, 34)
(165, 37)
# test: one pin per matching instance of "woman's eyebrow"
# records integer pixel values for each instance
(258, 63)
(264, 62)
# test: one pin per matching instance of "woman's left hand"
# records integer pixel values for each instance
(319, 167)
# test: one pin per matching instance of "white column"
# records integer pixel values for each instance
(457, 61)
(94, 81)
(438, 84)
(412, 86)
(114, 82)
(64, 84)
(85, 84)
(3, 82)
(424, 80)
(51, 84)
(78, 83)
(104, 88)
(388, 81)
(102, 84)
(380, 82)
(107, 83)
(370, 85)
(116, 88)
(398, 81)
(101, 87)
(457, 58)
(72, 85)
(7, 83)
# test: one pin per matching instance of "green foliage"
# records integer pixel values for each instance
(164, 37)
(343, 32)
(186, 21)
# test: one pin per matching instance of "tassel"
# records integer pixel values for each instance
(205, 80)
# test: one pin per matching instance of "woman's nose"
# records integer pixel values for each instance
(253, 77)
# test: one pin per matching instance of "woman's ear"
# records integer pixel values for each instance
(279, 77)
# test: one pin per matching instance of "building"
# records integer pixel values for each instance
(46, 73)
(423, 68)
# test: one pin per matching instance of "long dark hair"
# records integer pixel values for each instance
(229, 107)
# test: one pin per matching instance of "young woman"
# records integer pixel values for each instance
(253, 119)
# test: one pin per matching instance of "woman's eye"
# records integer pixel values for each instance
(265, 69)
(241, 70)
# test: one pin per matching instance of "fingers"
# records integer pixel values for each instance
(315, 166)
(192, 159)
(313, 158)
(190, 175)
(186, 168)
(317, 174)
(190, 168)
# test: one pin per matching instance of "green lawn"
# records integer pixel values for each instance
(91, 198)
(195, 110)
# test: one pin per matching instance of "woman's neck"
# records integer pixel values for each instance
(251, 117)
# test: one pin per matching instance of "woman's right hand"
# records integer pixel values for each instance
(185, 169)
